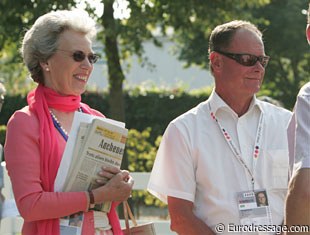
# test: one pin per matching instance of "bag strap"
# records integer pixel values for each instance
(126, 217)
(127, 211)
(133, 219)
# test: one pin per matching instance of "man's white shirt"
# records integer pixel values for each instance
(195, 163)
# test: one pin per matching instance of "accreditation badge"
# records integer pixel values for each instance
(72, 224)
(254, 207)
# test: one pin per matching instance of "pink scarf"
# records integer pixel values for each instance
(39, 101)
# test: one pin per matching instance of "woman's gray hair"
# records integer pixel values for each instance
(41, 40)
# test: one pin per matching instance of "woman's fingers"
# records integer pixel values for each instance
(107, 172)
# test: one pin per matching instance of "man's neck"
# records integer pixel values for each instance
(240, 105)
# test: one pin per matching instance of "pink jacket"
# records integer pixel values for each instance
(22, 156)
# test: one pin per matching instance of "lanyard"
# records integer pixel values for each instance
(234, 148)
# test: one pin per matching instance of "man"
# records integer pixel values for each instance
(298, 198)
(214, 159)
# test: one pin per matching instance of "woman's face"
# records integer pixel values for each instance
(62, 72)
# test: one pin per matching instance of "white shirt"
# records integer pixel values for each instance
(299, 132)
(195, 163)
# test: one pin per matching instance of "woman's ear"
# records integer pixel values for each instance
(44, 66)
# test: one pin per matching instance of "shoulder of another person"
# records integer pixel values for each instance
(305, 90)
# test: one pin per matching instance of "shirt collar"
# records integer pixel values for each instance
(217, 103)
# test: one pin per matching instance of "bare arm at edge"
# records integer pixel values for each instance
(183, 220)
(297, 210)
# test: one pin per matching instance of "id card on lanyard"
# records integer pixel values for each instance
(254, 207)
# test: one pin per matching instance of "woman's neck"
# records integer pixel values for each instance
(65, 118)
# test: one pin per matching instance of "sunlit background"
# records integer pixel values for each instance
(121, 10)
(168, 71)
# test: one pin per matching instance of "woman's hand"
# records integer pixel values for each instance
(117, 185)
(106, 174)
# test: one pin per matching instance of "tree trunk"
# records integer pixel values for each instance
(116, 76)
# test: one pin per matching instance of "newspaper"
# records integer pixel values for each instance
(93, 143)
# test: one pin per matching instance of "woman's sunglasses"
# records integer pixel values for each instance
(246, 59)
(79, 56)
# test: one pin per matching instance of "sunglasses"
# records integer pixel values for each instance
(246, 59)
(79, 56)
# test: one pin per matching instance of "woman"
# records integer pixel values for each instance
(57, 51)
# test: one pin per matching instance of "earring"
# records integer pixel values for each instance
(47, 69)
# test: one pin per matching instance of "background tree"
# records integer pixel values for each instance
(16, 17)
(191, 22)
(281, 21)
(287, 45)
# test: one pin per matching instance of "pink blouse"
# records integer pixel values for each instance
(22, 156)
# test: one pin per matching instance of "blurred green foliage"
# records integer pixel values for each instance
(141, 153)
(144, 108)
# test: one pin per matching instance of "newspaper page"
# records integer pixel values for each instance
(77, 148)
(69, 153)
(104, 144)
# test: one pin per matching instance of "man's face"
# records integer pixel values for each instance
(243, 81)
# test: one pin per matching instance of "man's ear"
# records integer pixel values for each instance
(215, 61)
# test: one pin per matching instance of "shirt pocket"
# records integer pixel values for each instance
(280, 168)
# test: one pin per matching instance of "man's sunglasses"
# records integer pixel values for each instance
(246, 59)
(79, 56)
